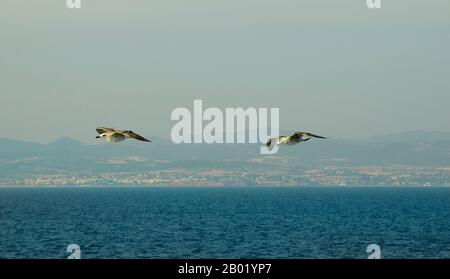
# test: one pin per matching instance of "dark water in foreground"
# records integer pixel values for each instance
(225, 222)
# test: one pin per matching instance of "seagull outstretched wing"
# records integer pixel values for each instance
(298, 136)
(314, 136)
(133, 135)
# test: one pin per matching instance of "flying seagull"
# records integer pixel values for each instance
(114, 135)
(291, 140)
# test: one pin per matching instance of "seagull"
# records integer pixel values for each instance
(113, 135)
(291, 140)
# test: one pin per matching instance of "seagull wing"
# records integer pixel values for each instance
(133, 135)
(102, 130)
(296, 137)
(315, 136)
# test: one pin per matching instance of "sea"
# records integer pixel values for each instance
(124, 222)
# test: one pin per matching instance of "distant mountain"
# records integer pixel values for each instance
(16, 149)
(69, 155)
(66, 142)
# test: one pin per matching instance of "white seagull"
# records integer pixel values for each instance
(113, 135)
(291, 140)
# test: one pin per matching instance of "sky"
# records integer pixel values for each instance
(335, 68)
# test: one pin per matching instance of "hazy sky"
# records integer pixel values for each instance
(332, 67)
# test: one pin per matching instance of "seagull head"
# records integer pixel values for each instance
(271, 143)
(100, 136)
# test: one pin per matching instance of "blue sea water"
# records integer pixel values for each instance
(244, 222)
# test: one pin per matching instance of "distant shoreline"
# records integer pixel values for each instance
(227, 186)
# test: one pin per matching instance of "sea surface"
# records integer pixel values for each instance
(226, 222)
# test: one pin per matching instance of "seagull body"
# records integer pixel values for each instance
(291, 140)
(113, 135)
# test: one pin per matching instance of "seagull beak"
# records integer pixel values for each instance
(97, 137)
